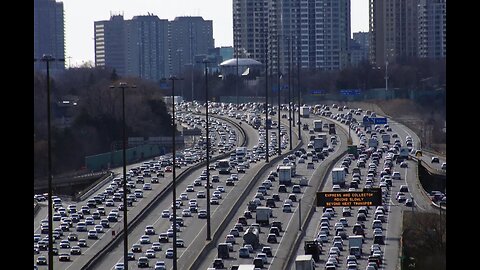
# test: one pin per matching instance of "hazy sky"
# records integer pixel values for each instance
(80, 15)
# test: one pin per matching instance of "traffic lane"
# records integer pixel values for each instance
(93, 246)
(91, 243)
(285, 218)
(160, 226)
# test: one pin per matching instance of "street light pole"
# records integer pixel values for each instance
(289, 95)
(278, 82)
(386, 78)
(174, 196)
(298, 88)
(47, 59)
(124, 85)
(205, 61)
(266, 98)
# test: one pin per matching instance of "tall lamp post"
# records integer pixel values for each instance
(298, 88)
(173, 78)
(209, 237)
(266, 98)
(278, 82)
(386, 78)
(124, 85)
(289, 94)
(47, 59)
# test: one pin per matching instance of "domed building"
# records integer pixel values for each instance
(247, 67)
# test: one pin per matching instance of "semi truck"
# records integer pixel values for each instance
(251, 236)
(317, 125)
(372, 142)
(304, 262)
(355, 244)
(305, 111)
(318, 144)
(313, 248)
(263, 214)
(331, 129)
(386, 138)
(285, 175)
(338, 177)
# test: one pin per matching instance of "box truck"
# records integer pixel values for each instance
(304, 262)
(285, 175)
(305, 111)
(355, 244)
(338, 177)
(317, 125)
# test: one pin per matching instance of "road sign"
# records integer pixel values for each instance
(379, 120)
(370, 197)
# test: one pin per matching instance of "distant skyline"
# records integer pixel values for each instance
(81, 15)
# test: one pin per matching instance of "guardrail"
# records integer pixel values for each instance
(96, 186)
(149, 207)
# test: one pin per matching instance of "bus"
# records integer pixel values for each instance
(223, 166)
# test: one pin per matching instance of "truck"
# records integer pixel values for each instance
(240, 153)
(318, 144)
(355, 244)
(285, 175)
(353, 149)
(338, 177)
(386, 138)
(403, 154)
(305, 111)
(304, 262)
(331, 129)
(313, 248)
(251, 236)
(263, 214)
(317, 125)
(372, 142)
(223, 251)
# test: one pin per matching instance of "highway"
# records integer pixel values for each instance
(93, 247)
(289, 220)
(224, 216)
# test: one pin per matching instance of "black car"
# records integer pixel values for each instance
(268, 251)
(218, 264)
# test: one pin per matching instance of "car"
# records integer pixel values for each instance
(201, 194)
(272, 238)
(166, 213)
(163, 238)
(243, 252)
(136, 248)
(119, 266)
(147, 186)
(287, 208)
(409, 202)
(435, 160)
(156, 246)
(444, 166)
(150, 253)
(267, 250)
(202, 214)
(169, 253)
(403, 164)
(296, 189)
(82, 243)
(310, 165)
(145, 239)
(143, 262)
(180, 242)
(42, 260)
(218, 263)
(230, 239)
(64, 257)
(263, 256)
(186, 213)
(75, 250)
(72, 237)
(149, 230)
(63, 244)
(160, 265)
(396, 176)
(403, 188)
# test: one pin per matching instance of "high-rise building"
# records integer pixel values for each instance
(432, 29)
(189, 36)
(393, 30)
(149, 47)
(48, 33)
(109, 39)
(315, 31)
(359, 48)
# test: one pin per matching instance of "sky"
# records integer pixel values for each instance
(80, 15)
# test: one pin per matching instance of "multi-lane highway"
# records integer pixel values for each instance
(199, 253)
